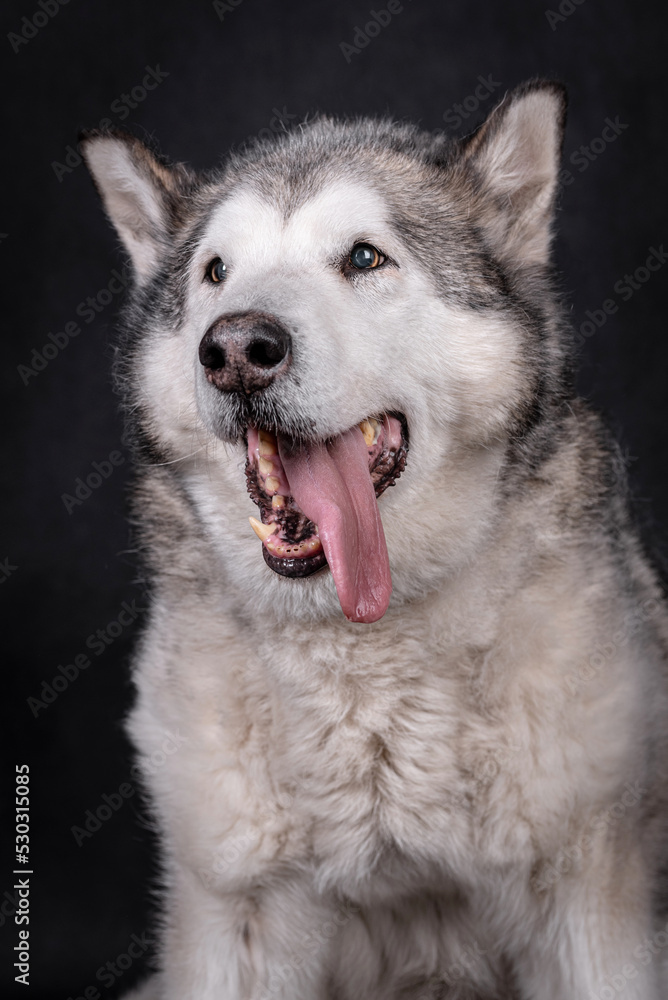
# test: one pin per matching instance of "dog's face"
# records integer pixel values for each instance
(356, 307)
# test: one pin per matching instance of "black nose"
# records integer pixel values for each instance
(245, 352)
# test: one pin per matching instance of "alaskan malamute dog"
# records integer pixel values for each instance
(416, 736)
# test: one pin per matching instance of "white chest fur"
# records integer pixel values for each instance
(365, 754)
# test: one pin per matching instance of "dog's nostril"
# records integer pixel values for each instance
(245, 352)
(211, 355)
(267, 352)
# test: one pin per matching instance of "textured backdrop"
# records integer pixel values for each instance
(202, 76)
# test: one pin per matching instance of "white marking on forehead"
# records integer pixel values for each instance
(247, 225)
(341, 210)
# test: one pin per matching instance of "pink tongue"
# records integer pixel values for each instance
(332, 485)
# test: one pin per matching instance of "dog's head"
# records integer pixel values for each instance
(355, 305)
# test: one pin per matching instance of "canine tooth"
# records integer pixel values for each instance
(278, 501)
(266, 467)
(369, 429)
(263, 531)
(368, 432)
(272, 484)
(267, 443)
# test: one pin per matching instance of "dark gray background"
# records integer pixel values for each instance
(225, 78)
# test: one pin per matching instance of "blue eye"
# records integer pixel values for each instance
(364, 257)
(216, 271)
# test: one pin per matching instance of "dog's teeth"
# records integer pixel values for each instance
(266, 467)
(277, 501)
(295, 550)
(263, 531)
(272, 484)
(369, 429)
(267, 443)
(367, 432)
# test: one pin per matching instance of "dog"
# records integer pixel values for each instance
(419, 712)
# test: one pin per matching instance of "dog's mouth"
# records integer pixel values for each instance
(318, 507)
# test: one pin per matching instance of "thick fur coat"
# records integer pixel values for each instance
(465, 798)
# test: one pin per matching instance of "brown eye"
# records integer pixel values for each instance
(365, 257)
(216, 271)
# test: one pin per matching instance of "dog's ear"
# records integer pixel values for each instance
(141, 195)
(514, 156)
